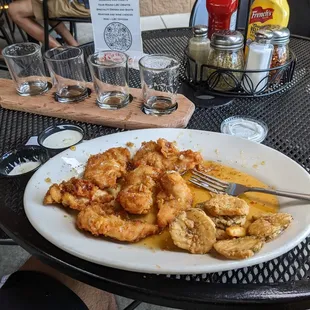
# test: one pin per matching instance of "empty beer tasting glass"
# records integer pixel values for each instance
(24, 61)
(67, 69)
(160, 83)
(110, 74)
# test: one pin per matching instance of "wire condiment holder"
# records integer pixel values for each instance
(237, 83)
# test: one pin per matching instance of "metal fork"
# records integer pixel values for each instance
(234, 189)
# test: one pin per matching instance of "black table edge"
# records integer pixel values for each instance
(202, 294)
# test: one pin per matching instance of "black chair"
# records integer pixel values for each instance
(71, 20)
(4, 34)
(5, 240)
(299, 17)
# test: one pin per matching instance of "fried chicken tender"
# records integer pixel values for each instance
(76, 194)
(226, 210)
(137, 194)
(194, 231)
(270, 226)
(165, 156)
(104, 169)
(98, 222)
(110, 208)
(239, 248)
(174, 197)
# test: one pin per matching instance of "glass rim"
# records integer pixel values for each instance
(159, 70)
(64, 48)
(37, 48)
(109, 66)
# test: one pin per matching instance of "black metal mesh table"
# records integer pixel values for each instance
(284, 280)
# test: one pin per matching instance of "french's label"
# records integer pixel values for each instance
(260, 15)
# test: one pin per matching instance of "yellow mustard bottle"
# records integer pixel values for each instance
(266, 12)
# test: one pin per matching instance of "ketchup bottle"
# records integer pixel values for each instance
(222, 15)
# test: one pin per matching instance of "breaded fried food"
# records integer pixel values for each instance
(236, 231)
(137, 194)
(136, 199)
(165, 156)
(226, 210)
(98, 222)
(221, 234)
(239, 248)
(110, 208)
(76, 194)
(225, 205)
(194, 231)
(222, 222)
(174, 197)
(104, 169)
(270, 226)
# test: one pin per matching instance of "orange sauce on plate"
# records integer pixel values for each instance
(259, 203)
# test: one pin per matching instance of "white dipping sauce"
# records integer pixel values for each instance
(62, 139)
(24, 167)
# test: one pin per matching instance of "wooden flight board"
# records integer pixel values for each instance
(129, 117)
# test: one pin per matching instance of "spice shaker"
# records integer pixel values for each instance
(198, 49)
(259, 58)
(280, 41)
(226, 52)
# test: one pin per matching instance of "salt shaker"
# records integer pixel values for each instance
(259, 58)
(198, 49)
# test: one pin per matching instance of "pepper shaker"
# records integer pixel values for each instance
(198, 49)
(281, 53)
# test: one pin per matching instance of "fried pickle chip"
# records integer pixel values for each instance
(223, 222)
(194, 231)
(270, 226)
(225, 205)
(239, 248)
(221, 234)
(236, 231)
(226, 211)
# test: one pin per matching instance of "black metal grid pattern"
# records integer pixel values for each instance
(287, 115)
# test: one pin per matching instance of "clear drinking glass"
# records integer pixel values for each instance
(110, 74)
(24, 61)
(67, 69)
(160, 82)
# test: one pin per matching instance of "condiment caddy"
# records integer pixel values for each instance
(267, 67)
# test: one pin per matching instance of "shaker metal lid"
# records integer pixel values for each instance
(280, 34)
(227, 39)
(263, 35)
(200, 30)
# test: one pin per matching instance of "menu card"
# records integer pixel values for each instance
(116, 26)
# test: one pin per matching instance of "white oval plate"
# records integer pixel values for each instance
(57, 225)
